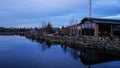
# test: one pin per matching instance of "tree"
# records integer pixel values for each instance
(49, 28)
(43, 24)
(73, 26)
(63, 27)
(36, 28)
(43, 27)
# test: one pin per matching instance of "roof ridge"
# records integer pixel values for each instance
(103, 19)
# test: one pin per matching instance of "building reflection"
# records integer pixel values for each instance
(86, 56)
(90, 57)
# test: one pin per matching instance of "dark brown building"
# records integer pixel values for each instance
(100, 27)
(64, 31)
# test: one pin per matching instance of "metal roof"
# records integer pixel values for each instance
(100, 20)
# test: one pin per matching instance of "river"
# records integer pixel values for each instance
(21, 52)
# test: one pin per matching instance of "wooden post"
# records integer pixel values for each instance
(84, 28)
(111, 28)
(96, 29)
(81, 30)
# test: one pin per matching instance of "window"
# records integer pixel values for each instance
(87, 24)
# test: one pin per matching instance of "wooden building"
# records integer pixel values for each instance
(64, 31)
(100, 27)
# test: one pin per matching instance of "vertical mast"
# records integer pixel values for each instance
(89, 9)
(89, 17)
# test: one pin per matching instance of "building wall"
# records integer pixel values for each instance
(102, 27)
(64, 31)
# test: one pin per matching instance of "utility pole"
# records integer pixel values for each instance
(89, 9)
(89, 17)
(89, 21)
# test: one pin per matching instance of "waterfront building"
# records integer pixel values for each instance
(100, 27)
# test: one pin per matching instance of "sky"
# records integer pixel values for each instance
(32, 13)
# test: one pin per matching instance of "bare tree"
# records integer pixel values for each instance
(43, 26)
(73, 25)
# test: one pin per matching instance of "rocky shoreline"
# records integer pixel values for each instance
(80, 42)
(89, 42)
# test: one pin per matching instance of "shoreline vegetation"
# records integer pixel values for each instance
(85, 42)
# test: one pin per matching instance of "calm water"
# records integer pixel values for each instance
(20, 52)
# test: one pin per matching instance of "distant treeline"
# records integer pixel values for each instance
(46, 29)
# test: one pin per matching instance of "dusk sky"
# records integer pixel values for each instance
(30, 13)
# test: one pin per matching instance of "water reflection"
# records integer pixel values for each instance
(26, 54)
(73, 52)
(87, 57)
(19, 52)
(46, 45)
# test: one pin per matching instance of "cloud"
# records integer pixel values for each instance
(102, 8)
(113, 17)
(58, 12)
(56, 21)
(105, 3)
(42, 6)
(28, 25)
(23, 12)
